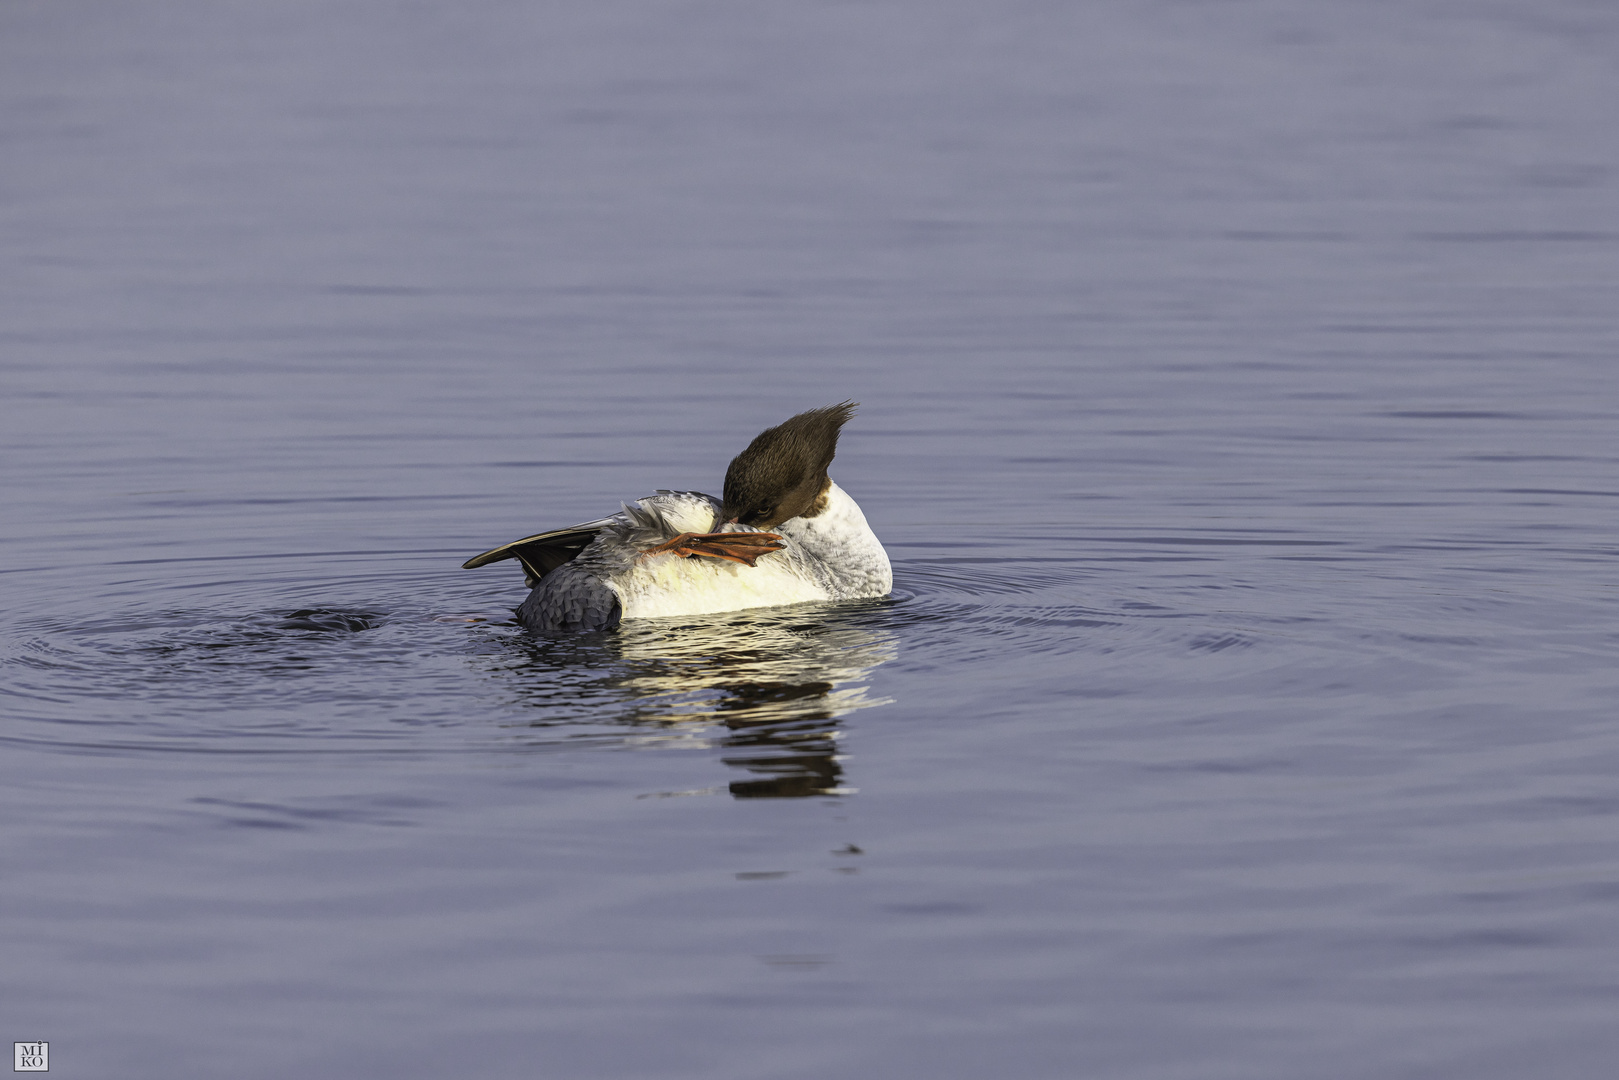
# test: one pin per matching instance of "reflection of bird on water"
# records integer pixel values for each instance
(778, 682)
(783, 534)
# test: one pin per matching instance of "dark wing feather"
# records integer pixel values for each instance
(544, 552)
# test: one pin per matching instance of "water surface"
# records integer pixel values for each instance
(1237, 406)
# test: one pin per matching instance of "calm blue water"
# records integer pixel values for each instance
(1238, 405)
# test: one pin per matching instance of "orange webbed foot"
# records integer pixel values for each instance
(740, 547)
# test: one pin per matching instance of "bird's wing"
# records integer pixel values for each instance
(544, 552)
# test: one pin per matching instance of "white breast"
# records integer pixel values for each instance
(847, 556)
(832, 556)
(672, 585)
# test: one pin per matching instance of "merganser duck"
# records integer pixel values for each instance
(783, 534)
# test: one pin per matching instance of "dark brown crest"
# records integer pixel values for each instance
(782, 473)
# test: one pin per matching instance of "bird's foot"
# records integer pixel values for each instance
(742, 547)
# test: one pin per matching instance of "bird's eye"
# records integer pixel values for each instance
(761, 515)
